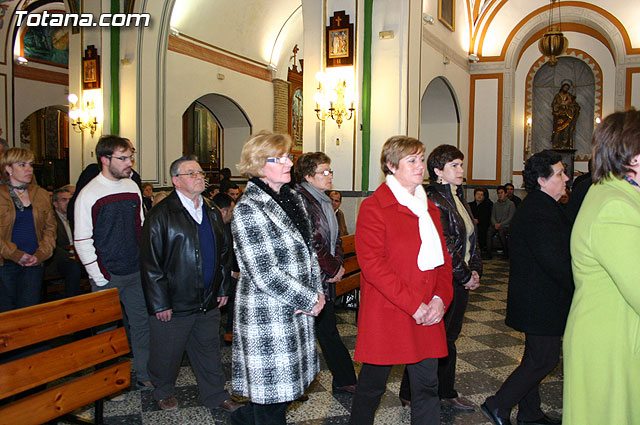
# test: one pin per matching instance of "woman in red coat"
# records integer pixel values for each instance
(405, 286)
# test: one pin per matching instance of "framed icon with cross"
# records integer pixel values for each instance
(339, 40)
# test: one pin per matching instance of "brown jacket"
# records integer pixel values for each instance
(44, 222)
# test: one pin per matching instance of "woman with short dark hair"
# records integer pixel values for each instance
(602, 339)
(314, 176)
(445, 190)
(540, 290)
(27, 231)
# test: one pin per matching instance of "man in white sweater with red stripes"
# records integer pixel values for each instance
(108, 223)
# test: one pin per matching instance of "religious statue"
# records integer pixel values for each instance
(565, 112)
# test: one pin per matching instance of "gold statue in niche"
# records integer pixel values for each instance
(565, 112)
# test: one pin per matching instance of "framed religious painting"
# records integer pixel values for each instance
(91, 69)
(447, 13)
(339, 40)
(295, 78)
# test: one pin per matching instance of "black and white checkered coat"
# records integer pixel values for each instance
(274, 350)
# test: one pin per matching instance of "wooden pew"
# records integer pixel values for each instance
(33, 325)
(351, 279)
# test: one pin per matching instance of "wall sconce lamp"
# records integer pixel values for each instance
(428, 18)
(336, 98)
(82, 118)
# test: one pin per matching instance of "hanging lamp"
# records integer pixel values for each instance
(553, 43)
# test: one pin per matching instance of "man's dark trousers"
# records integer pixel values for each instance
(198, 334)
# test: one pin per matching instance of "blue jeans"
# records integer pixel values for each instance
(19, 286)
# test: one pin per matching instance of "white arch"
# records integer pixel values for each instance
(440, 114)
(569, 14)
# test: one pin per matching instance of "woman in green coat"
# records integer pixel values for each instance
(602, 337)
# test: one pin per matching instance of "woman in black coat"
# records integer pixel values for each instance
(461, 235)
(540, 289)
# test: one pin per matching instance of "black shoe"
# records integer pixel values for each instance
(545, 420)
(350, 389)
(493, 415)
(460, 403)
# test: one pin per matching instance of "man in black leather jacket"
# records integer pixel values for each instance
(186, 265)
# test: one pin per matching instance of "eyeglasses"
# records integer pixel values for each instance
(281, 159)
(122, 158)
(325, 172)
(193, 174)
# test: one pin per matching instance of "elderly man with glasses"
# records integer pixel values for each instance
(186, 271)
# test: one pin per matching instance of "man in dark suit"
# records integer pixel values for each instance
(63, 261)
(540, 289)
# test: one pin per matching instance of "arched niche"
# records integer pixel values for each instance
(440, 115)
(546, 83)
(214, 129)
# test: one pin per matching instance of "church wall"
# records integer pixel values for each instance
(634, 90)
(33, 95)
(193, 78)
(458, 40)
(485, 127)
(388, 78)
(457, 76)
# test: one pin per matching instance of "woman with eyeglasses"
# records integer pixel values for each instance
(405, 286)
(279, 292)
(27, 231)
(314, 176)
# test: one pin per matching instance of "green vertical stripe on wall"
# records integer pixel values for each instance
(115, 72)
(366, 93)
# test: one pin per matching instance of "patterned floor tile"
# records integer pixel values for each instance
(488, 351)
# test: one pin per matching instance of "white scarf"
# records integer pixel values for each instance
(430, 255)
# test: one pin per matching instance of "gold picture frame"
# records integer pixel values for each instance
(91, 69)
(447, 13)
(339, 41)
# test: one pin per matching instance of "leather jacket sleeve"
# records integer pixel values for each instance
(154, 281)
(454, 232)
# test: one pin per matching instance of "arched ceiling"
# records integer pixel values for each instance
(248, 28)
(495, 23)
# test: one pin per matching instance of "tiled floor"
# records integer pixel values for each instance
(488, 351)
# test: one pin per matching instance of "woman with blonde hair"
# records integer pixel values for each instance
(27, 231)
(279, 292)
